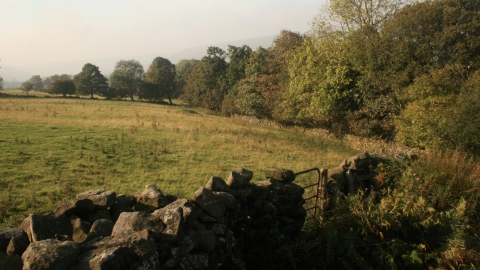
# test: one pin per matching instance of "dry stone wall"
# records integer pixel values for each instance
(151, 230)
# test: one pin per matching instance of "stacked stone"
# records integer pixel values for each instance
(103, 230)
(259, 214)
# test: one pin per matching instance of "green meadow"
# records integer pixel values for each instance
(52, 149)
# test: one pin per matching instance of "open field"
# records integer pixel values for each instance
(52, 149)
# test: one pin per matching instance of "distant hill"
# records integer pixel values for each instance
(198, 52)
(106, 65)
(9, 73)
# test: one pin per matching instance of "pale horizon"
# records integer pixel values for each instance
(54, 31)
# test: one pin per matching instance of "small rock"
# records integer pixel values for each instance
(17, 245)
(282, 175)
(216, 184)
(80, 229)
(7, 234)
(150, 199)
(100, 228)
(239, 178)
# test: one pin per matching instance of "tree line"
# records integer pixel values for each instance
(389, 69)
(128, 80)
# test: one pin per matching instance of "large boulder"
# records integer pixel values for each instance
(206, 200)
(75, 207)
(110, 258)
(150, 199)
(141, 243)
(190, 212)
(239, 178)
(172, 217)
(129, 222)
(50, 254)
(101, 198)
(49, 226)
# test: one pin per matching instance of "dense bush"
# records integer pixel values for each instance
(422, 215)
(443, 111)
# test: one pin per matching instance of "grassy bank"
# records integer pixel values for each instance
(51, 149)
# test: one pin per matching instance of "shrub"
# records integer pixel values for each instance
(442, 111)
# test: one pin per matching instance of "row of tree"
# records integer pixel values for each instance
(127, 80)
(383, 68)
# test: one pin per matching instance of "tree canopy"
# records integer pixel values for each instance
(127, 77)
(90, 81)
(161, 73)
(27, 86)
(63, 86)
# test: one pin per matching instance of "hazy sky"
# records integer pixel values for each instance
(46, 31)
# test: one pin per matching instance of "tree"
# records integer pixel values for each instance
(27, 87)
(62, 86)
(349, 15)
(238, 58)
(322, 85)
(127, 77)
(37, 82)
(149, 91)
(194, 93)
(266, 77)
(90, 81)
(183, 70)
(161, 72)
(47, 82)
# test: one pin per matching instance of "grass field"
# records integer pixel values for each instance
(52, 149)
